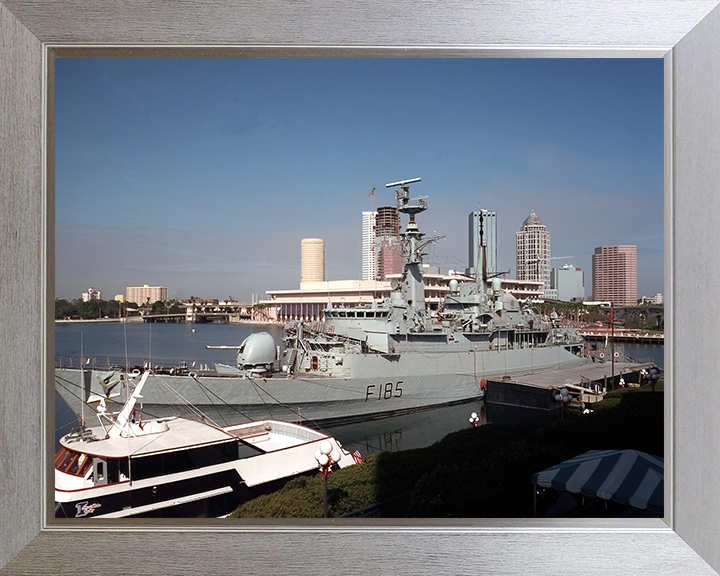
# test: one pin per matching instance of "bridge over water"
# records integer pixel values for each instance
(223, 312)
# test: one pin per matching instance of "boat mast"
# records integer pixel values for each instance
(124, 416)
(82, 383)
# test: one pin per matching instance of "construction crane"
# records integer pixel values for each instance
(561, 257)
(372, 200)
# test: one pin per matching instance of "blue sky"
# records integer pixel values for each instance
(203, 175)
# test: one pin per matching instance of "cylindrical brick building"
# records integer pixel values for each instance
(312, 260)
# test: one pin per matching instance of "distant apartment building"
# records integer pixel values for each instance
(532, 251)
(144, 294)
(615, 274)
(489, 222)
(569, 283)
(91, 294)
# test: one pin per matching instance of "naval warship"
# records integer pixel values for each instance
(366, 361)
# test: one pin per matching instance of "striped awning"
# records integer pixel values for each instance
(624, 476)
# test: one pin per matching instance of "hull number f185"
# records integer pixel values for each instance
(384, 391)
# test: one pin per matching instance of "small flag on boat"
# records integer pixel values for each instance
(357, 457)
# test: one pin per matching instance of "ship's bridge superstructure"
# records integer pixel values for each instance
(474, 317)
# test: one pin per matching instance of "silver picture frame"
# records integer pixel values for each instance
(686, 33)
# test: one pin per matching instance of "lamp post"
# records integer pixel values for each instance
(474, 419)
(654, 377)
(564, 397)
(612, 343)
(326, 457)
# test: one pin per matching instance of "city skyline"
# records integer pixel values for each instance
(204, 175)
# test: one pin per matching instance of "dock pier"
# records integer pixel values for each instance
(587, 384)
(638, 337)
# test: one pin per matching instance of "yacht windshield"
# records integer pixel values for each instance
(74, 463)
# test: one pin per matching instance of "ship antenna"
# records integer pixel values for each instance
(404, 203)
(413, 286)
(481, 256)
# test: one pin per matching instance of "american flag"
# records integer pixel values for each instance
(357, 457)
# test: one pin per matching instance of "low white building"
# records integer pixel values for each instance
(309, 301)
(657, 299)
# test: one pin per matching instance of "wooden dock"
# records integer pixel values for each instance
(586, 385)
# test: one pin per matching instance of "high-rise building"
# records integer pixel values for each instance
(390, 258)
(532, 251)
(489, 221)
(144, 294)
(369, 259)
(312, 260)
(381, 243)
(388, 245)
(569, 283)
(615, 274)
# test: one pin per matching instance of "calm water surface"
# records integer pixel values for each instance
(159, 344)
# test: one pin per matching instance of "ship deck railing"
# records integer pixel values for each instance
(275, 430)
(106, 364)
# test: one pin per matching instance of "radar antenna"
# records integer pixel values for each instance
(405, 204)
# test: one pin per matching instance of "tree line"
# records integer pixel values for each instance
(92, 309)
(640, 317)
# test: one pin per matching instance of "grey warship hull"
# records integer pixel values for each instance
(373, 386)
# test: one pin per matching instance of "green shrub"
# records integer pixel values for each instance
(473, 473)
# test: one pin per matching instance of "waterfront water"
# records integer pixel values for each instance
(170, 344)
(642, 352)
(159, 344)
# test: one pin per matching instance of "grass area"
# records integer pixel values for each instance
(614, 397)
(473, 473)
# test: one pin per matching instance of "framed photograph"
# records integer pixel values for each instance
(683, 34)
